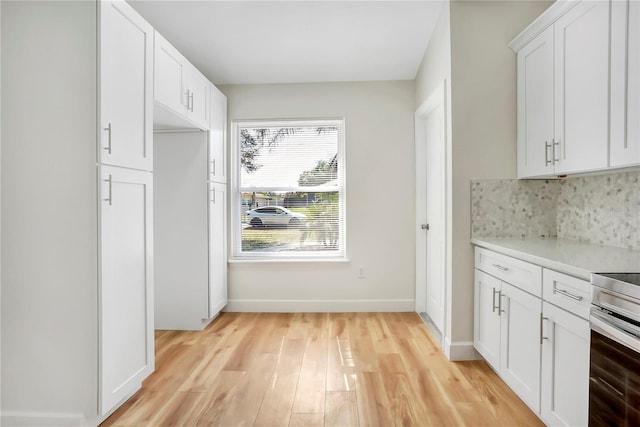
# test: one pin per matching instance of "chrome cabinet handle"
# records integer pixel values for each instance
(499, 267)
(108, 147)
(213, 195)
(494, 300)
(213, 167)
(547, 146)
(555, 144)
(500, 310)
(190, 102)
(110, 182)
(542, 337)
(567, 294)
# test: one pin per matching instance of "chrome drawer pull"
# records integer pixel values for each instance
(494, 300)
(499, 267)
(567, 294)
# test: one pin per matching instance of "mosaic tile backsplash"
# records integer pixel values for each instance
(596, 209)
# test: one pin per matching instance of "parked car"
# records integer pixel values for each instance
(274, 216)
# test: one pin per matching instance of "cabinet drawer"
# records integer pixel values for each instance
(570, 293)
(523, 275)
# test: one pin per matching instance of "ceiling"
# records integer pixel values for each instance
(251, 42)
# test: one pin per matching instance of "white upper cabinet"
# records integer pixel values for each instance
(218, 137)
(198, 94)
(126, 107)
(535, 106)
(180, 90)
(578, 91)
(170, 76)
(625, 83)
(582, 88)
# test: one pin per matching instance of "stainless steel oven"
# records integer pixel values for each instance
(614, 378)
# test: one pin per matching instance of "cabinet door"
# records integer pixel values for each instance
(486, 328)
(126, 75)
(218, 137)
(126, 283)
(625, 83)
(217, 248)
(170, 76)
(582, 88)
(520, 344)
(565, 368)
(535, 107)
(198, 102)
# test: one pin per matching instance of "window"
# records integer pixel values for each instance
(288, 197)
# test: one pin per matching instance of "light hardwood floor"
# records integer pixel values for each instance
(346, 369)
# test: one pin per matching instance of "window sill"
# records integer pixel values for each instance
(287, 260)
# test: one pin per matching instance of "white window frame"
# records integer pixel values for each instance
(236, 226)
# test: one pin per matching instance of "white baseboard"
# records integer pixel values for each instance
(320, 306)
(460, 350)
(49, 419)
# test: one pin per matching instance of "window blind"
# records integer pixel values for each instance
(290, 189)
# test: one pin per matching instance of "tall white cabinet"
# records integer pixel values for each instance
(190, 196)
(77, 188)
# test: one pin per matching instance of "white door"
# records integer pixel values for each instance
(486, 325)
(520, 343)
(217, 248)
(535, 106)
(435, 214)
(582, 87)
(126, 76)
(431, 207)
(126, 283)
(565, 368)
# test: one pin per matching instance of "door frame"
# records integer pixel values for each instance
(437, 97)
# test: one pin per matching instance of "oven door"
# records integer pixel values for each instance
(614, 379)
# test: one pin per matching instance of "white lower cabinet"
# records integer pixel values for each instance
(539, 348)
(126, 351)
(520, 343)
(217, 248)
(565, 368)
(486, 328)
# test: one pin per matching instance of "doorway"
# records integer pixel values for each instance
(431, 209)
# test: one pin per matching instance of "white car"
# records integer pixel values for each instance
(274, 216)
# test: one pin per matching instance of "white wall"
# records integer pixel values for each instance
(483, 124)
(380, 206)
(49, 218)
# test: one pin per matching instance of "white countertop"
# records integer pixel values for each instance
(566, 256)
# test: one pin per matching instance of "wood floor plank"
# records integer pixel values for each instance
(278, 400)
(316, 369)
(373, 405)
(243, 405)
(341, 409)
(310, 392)
(306, 420)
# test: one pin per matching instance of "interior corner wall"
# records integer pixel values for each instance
(380, 204)
(435, 69)
(483, 103)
